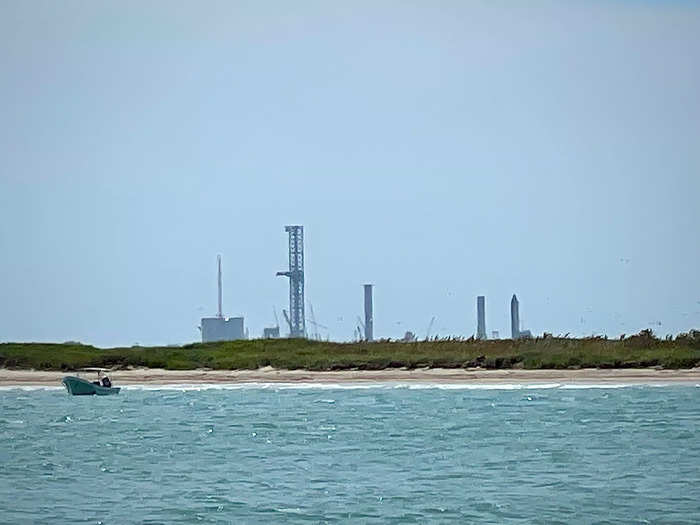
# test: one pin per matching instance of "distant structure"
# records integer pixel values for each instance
(514, 318)
(219, 328)
(369, 315)
(430, 327)
(481, 317)
(296, 320)
(222, 329)
(315, 335)
(220, 287)
(271, 333)
(516, 332)
(494, 334)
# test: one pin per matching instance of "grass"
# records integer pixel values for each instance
(641, 350)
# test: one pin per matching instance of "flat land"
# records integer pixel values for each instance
(299, 359)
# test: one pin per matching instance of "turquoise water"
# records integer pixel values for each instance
(361, 455)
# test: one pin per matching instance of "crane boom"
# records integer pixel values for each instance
(286, 318)
(430, 327)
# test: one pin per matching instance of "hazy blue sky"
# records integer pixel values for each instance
(440, 150)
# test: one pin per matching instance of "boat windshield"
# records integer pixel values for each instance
(102, 377)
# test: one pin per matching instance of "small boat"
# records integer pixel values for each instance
(78, 386)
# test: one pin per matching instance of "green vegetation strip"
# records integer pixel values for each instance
(641, 350)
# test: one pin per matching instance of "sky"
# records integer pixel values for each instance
(440, 150)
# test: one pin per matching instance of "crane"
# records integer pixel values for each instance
(361, 329)
(286, 318)
(272, 332)
(430, 327)
(312, 320)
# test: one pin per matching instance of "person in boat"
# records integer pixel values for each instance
(102, 380)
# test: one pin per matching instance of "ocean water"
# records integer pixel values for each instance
(387, 454)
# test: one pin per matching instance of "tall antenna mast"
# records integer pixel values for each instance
(220, 314)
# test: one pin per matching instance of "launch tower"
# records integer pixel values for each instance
(297, 323)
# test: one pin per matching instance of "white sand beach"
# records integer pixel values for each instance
(424, 375)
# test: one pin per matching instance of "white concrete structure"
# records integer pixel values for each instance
(222, 329)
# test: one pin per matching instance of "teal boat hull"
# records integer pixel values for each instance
(78, 386)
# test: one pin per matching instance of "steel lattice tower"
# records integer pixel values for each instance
(297, 323)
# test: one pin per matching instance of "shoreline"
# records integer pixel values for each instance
(476, 376)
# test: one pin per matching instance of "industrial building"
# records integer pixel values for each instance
(369, 314)
(481, 317)
(296, 318)
(221, 328)
(272, 332)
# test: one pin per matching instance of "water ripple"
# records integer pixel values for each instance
(392, 454)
